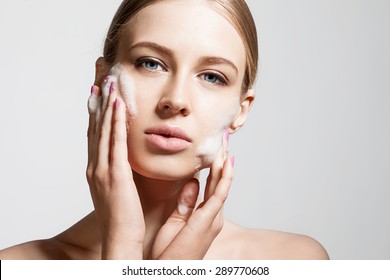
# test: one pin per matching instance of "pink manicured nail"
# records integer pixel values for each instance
(93, 90)
(232, 161)
(106, 79)
(227, 134)
(116, 104)
(111, 88)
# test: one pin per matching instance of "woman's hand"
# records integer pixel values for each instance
(188, 233)
(117, 205)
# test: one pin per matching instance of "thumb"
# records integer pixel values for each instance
(186, 201)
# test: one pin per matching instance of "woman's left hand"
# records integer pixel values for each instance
(188, 233)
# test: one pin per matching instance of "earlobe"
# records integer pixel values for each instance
(245, 106)
(101, 70)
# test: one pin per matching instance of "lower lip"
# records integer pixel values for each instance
(168, 144)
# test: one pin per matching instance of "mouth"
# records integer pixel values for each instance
(166, 138)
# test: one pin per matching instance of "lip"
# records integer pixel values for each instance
(167, 138)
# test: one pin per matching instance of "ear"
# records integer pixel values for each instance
(245, 106)
(101, 71)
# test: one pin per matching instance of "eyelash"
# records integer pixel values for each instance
(142, 61)
(221, 80)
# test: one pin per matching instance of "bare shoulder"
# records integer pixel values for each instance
(77, 242)
(45, 249)
(248, 243)
(285, 245)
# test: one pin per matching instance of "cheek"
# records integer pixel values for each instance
(126, 87)
(212, 136)
(128, 92)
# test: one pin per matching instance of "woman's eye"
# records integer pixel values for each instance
(150, 65)
(214, 79)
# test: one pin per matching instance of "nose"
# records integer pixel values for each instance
(175, 98)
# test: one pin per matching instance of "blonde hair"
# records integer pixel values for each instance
(236, 11)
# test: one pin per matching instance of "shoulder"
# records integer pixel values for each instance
(45, 249)
(248, 243)
(284, 245)
(74, 243)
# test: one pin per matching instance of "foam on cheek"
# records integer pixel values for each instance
(208, 151)
(125, 84)
(127, 89)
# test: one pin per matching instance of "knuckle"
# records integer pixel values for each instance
(217, 225)
(117, 139)
(99, 175)
(89, 173)
(221, 197)
(102, 132)
(228, 177)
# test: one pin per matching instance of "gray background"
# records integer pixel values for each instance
(313, 158)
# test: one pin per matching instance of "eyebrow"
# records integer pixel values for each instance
(209, 60)
(153, 46)
(212, 60)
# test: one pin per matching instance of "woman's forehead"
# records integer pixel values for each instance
(186, 27)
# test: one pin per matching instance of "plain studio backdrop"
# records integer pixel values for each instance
(313, 157)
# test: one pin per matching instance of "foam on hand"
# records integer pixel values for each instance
(93, 104)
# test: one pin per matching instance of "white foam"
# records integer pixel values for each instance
(93, 104)
(125, 84)
(182, 209)
(208, 150)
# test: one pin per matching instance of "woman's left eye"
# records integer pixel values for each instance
(214, 79)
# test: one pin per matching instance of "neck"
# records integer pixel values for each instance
(158, 199)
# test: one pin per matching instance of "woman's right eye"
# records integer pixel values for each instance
(150, 65)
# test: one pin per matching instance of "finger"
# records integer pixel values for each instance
(216, 201)
(186, 201)
(96, 132)
(92, 107)
(106, 87)
(106, 130)
(119, 155)
(194, 239)
(216, 167)
(93, 104)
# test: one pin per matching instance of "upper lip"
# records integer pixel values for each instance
(168, 131)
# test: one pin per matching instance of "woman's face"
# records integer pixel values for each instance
(187, 63)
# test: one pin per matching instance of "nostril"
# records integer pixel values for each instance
(184, 112)
(166, 107)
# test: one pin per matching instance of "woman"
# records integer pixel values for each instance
(175, 81)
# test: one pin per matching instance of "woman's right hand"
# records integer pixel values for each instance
(117, 205)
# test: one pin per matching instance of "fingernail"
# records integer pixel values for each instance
(232, 161)
(111, 88)
(93, 90)
(116, 104)
(106, 79)
(227, 134)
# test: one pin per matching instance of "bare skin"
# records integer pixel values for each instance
(83, 242)
(146, 202)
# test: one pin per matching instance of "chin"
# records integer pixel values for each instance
(164, 171)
